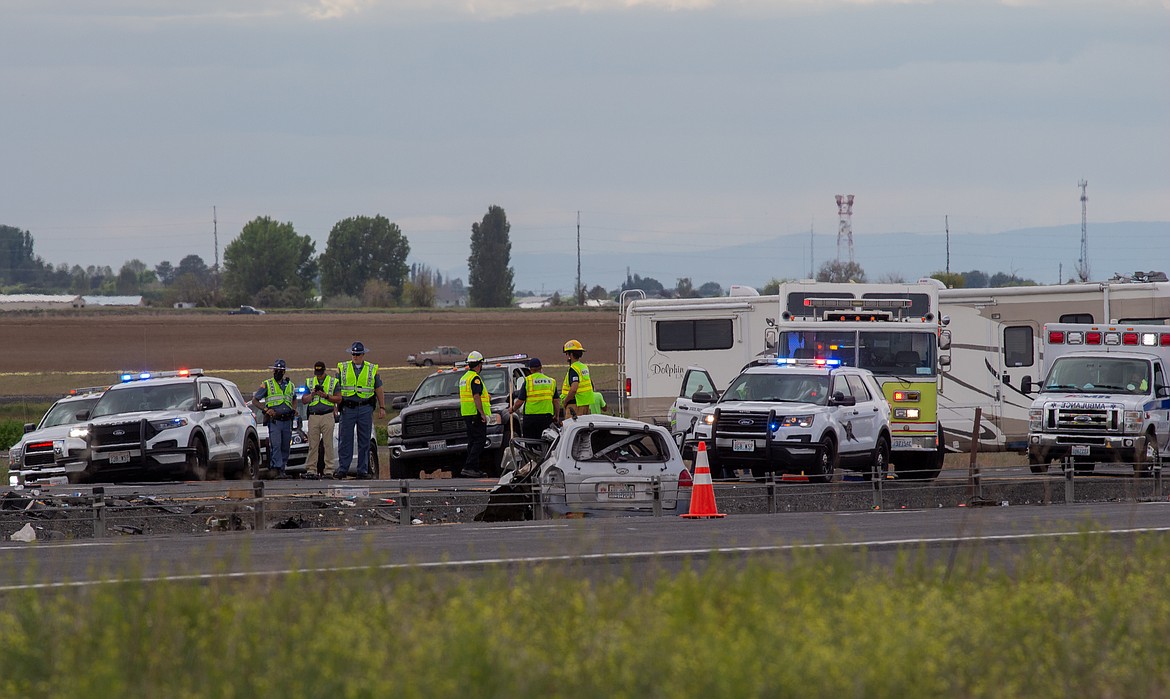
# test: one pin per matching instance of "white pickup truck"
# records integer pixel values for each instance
(1104, 396)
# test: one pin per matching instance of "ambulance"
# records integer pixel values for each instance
(1104, 396)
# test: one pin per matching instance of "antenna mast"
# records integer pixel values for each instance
(845, 228)
(812, 265)
(580, 292)
(1083, 263)
(947, 223)
(215, 233)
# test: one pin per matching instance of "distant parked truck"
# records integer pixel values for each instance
(442, 355)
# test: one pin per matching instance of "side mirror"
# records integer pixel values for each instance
(1026, 384)
(841, 399)
(944, 361)
(81, 415)
(703, 397)
(398, 403)
(30, 426)
(1162, 391)
(210, 404)
(944, 340)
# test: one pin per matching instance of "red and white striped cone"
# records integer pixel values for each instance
(703, 490)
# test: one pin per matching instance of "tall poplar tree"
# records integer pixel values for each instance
(489, 273)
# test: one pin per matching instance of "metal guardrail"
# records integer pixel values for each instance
(107, 510)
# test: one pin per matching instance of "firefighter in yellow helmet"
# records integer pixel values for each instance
(577, 388)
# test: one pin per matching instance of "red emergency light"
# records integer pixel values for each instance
(1164, 339)
(627, 387)
(1055, 337)
(1129, 338)
(1092, 338)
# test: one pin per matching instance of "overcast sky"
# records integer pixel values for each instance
(686, 124)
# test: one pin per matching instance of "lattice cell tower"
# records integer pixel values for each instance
(1083, 263)
(845, 228)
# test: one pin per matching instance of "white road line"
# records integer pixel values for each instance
(566, 558)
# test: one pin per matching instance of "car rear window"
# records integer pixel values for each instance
(619, 446)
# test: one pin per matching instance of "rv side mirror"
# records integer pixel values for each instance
(945, 320)
(703, 397)
(1162, 391)
(30, 426)
(944, 340)
(398, 402)
(944, 360)
(1026, 384)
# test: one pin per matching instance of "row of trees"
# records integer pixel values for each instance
(270, 264)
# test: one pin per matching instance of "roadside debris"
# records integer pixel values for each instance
(25, 534)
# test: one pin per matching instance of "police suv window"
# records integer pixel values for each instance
(205, 390)
(1017, 346)
(859, 389)
(687, 335)
(840, 385)
(220, 391)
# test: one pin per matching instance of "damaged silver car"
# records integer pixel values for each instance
(595, 465)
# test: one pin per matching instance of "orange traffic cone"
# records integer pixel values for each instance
(703, 490)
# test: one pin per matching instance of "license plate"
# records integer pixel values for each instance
(621, 491)
(743, 445)
(436, 445)
(1080, 450)
(902, 443)
(119, 457)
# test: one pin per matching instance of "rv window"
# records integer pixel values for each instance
(796, 299)
(919, 303)
(687, 335)
(1076, 318)
(1017, 346)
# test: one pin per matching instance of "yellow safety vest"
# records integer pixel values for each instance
(278, 396)
(467, 398)
(538, 394)
(328, 384)
(357, 384)
(584, 394)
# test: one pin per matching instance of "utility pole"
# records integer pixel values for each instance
(845, 226)
(947, 223)
(812, 265)
(215, 235)
(580, 292)
(1083, 264)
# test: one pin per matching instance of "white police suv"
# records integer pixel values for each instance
(798, 416)
(45, 453)
(175, 423)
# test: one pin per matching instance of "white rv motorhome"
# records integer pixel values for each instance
(996, 343)
(659, 338)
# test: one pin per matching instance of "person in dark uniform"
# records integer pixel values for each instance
(278, 394)
(475, 407)
(541, 399)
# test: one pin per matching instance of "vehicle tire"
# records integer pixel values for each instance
(881, 458)
(375, 464)
(1147, 456)
(427, 362)
(826, 462)
(1037, 465)
(197, 462)
(250, 468)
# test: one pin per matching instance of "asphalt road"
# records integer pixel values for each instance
(593, 544)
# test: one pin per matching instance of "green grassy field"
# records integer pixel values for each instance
(1079, 618)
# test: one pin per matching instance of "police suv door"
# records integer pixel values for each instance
(214, 424)
(852, 431)
(685, 410)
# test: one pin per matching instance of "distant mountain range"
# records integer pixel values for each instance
(1045, 255)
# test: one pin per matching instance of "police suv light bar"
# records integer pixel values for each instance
(178, 373)
(494, 360)
(87, 389)
(793, 361)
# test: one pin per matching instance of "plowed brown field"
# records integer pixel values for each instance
(105, 341)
